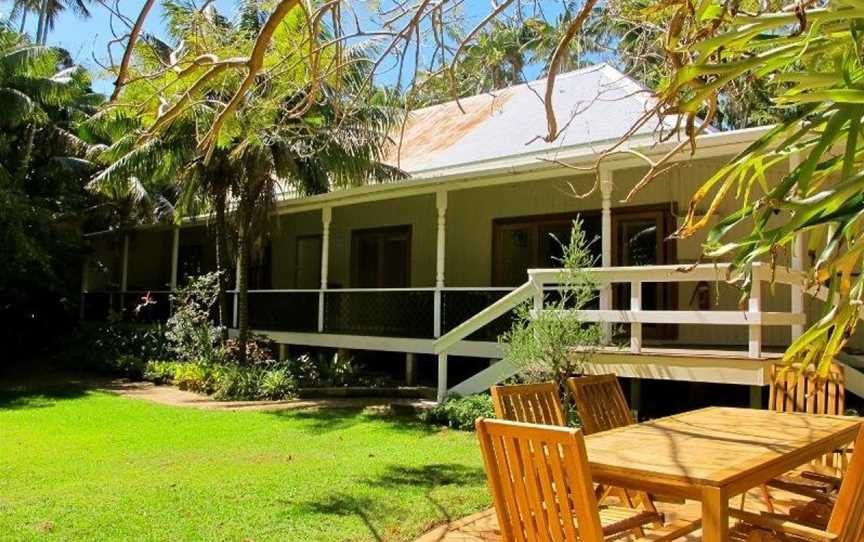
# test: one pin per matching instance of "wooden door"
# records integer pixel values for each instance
(639, 239)
(381, 258)
(523, 243)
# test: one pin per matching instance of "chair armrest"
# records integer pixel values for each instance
(783, 526)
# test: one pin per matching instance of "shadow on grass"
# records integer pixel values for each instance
(324, 420)
(395, 476)
(22, 396)
(429, 476)
(347, 505)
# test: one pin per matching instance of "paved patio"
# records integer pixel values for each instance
(483, 526)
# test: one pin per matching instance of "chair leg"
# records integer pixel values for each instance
(766, 496)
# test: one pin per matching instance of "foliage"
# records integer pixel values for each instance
(811, 57)
(189, 330)
(226, 382)
(322, 370)
(43, 165)
(259, 351)
(306, 370)
(189, 474)
(460, 412)
(501, 53)
(553, 344)
(292, 132)
(277, 383)
(118, 349)
(640, 51)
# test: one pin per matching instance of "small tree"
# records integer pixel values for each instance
(554, 344)
(189, 331)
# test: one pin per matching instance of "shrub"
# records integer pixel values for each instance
(555, 343)
(305, 371)
(237, 383)
(160, 372)
(190, 331)
(339, 370)
(117, 349)
(323, 370)
(200, 377)
(277, 384)
(460, 412)
(259, 351)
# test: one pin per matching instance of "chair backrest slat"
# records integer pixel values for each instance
(794, 390)
(540, 482)
(847, 519)
(529, 403)
(600, 402)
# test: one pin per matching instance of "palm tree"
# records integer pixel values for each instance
(36, 97)
(48, 12)
(43, 167)
(267, 149)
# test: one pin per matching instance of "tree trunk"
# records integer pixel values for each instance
(26, 154)
(222, 262)
(23, 20)
(42, 26)
(242, 285)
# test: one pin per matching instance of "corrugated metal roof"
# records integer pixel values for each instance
(594, 104)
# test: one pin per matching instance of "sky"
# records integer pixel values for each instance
(87, 39)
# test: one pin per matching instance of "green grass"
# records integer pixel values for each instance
(83, 465)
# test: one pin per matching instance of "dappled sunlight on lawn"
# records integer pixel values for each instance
(99, 466)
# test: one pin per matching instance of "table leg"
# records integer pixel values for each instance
(715, 515)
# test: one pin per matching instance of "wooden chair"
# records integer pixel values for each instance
(845, 524)
(600, 402)
(542, 488)
(529, 403)
(795, 390)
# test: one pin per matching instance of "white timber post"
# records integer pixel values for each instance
(442, 376)
(326, 218)
(606, 246)
(410, 369)
(754, 305)
(175, 255)
(538, 295)
(796, 305)
(440, 258)
(235, 316)
(636, 327)
(124, 272)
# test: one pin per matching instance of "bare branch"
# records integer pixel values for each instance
(123, 71)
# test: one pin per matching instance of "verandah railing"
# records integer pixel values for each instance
(420, 313)
(635, 316)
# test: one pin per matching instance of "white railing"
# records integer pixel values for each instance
(540, 280)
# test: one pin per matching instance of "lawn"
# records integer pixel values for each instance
(84, 465)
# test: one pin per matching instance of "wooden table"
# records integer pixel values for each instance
(713, 454)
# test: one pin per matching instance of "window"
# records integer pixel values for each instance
(381, 257)
(533, 242)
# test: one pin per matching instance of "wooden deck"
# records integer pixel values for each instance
(483, 526)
